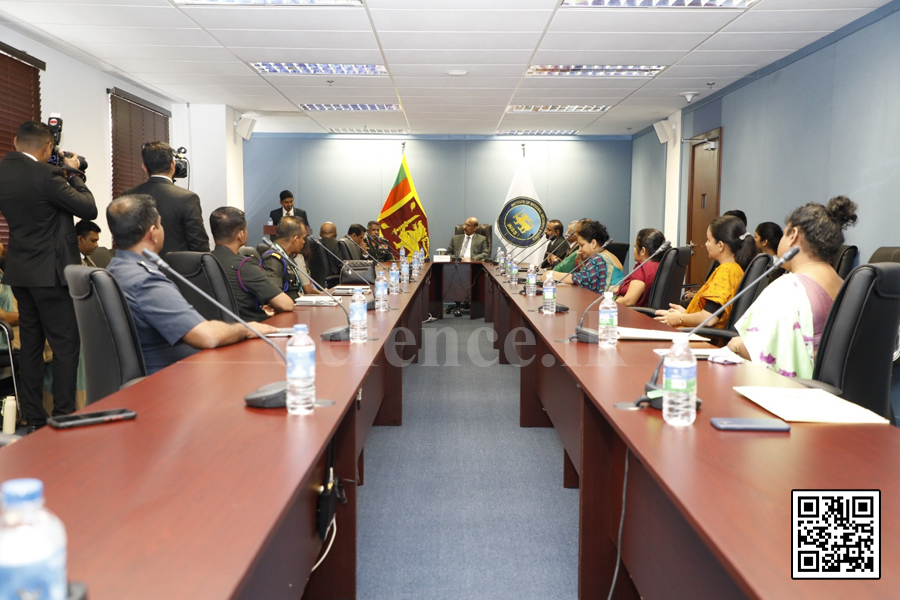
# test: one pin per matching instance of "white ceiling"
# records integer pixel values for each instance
(198, 54)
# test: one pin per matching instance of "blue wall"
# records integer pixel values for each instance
(346, 181)
(648, 185)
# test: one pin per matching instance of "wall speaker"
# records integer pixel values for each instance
(245, 127)
(663, 131)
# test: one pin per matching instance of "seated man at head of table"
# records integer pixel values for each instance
(557, 246)
(251, 286)
(168, 327)
(470, 245)
(289, 240)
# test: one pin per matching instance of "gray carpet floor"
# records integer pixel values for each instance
(460, 502)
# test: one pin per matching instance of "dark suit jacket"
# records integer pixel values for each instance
(276, 215)
(559, 247)
(349, 249)
(39, 205)
(481, 248)
(182, 218)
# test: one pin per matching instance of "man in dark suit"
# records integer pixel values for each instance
(558, 246)
(470, 245)
(179, 208)
(325, 263)
(288, 210)
(88, 234)
(39, 201)
(352, 244)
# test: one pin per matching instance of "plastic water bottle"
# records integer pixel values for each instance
(501, 260)
(549, 295)
(381, 292)
(32, 544)
(402, 254)
(531, 281)
(609, 321)
(680, 383)
(415, 266)
(394, 281)
(301, 372)
(270, 222)
(358, 326)
(404, 270)
(514, 273)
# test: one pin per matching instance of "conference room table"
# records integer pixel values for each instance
(203, 497)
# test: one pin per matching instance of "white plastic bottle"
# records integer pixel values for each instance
(301, 372)
(402, 254)
(394, 281)
(32, 544)
(680, 383)
(404, 269)
(415, 266)
(513, 272)
(358, 327)
(270, 222)
(381, 292)
(608, 325)
(549, 295)
(531, 281)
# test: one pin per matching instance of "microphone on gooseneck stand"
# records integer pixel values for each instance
(335, 334)
(585, 262)
(365, 252)
(652, 389)
(592, 336)
(383, 243)
(271, 395)
(343, 262)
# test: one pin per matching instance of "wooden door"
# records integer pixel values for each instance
(703, 199)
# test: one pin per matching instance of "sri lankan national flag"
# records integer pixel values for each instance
(402, 219)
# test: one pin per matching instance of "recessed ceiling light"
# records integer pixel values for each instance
(291, 68)
(538, 132)
(527, 108)
(370, 107)
(657, 3)
(457, 72)
(366, 130)
(273, 2)
(596, 70)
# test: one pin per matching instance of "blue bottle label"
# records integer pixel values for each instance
(609, 318)
(381, 288)
(301, 362)
(682, 380)
(43, 580)
(549, 293)
(357, 312)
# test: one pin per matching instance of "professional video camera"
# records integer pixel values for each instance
(181, 163)
(56, 158)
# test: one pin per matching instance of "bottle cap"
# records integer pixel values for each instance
(607, 295)
(301, 328)
(16, 491)
(681, 338)
(393, 265)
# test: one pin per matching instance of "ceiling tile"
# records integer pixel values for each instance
(309, 55)
(179, 66)
(469, 4)
(605, 100)
(642, 20)
(140, 51)
(818, 4)
(622, 41)
(707, 71)
(290, 39)
(692, 83)
(325, 96)
(762, 41)
(302, 18)
(457, 82)
(247, 78)
(141, 36)
(734, 57)
(795, 20)
(607, 57)
(438, 70)
(471, 57)
(459, 20)
(547, 121)
(78, 15)
(346, 81)
(427, 40)
(455, 110)
(473, 97)
(225, 90)
(548, 82)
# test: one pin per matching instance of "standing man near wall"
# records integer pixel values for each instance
(182, 218)
(286, 198)
(39, 201)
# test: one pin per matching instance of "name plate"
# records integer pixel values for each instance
(441, 258)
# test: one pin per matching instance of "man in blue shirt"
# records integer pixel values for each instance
(168, 327)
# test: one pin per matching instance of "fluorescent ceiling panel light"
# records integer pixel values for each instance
(356, 107)
(292, 68)
(595, 70)
(366, 130)
(273, 2)
(657, 3)
(539, 132)
(548, 108)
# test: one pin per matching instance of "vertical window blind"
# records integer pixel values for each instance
(134, 123)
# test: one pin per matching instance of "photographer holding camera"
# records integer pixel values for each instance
(182, 218)
(39, 201)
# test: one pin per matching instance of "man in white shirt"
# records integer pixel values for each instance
(470, 245)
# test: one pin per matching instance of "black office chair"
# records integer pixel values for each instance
(485, 230)
(358, 271)
(203, 270)
(619, 250)
(855, 356)
(323, 267)
(886, 254)
(102, 256)
(349, 250)
(666, 286)
(757, 267)
(844, 259)
(109, 343)
(9, 359)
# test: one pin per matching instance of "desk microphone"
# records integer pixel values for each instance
(592, 336)
(365, 252)
(653, 385)
(343, 262)
(335, 334)
(271, 395)
(379, 241)
(591, 257)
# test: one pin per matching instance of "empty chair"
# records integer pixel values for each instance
(203, 270)
(109, 343)
(619, 250)
(855, 354)
(844, 259)
(886, 254)
(667, 284)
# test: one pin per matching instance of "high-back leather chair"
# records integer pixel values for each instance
(844, 259)
(757, 267)
(358, 271)
(109, 342)
(349, 250)
(203, 270)
(886, 254)
(485, 230)
(855, 354)
(619, 250)
(666, 286)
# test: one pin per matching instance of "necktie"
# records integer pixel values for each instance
(465, 247)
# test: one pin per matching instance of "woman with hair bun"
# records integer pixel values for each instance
(729, 242)
(783, 327)
(635, 289)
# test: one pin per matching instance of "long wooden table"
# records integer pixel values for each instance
(708, 513)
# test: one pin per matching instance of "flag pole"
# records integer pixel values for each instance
(523, 150)
(403, 148)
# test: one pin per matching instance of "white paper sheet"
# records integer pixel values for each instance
(807, 405)
(632, 333)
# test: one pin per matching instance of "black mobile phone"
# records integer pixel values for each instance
(734, 424)
(91, 418)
